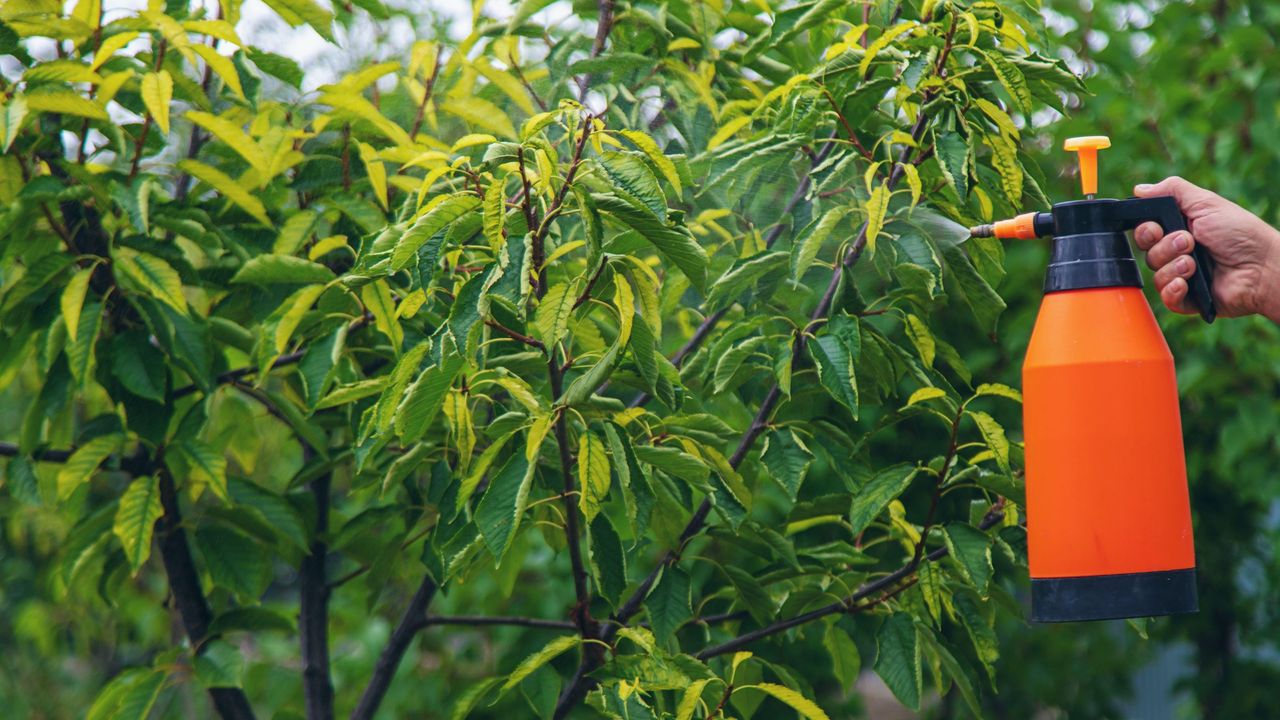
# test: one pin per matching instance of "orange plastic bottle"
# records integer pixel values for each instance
(1108, 514)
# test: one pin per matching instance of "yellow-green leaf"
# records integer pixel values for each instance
(921, 338)
(110, 46)
(80, 466)
(136, 519)
(481, 113)
(801, 704)
(12, 112)
(925, 393)
(363, 109)
(654, 153)
(549, 652)
(552, 316)
(877, 206)
(227, 187)
(377, 299)
(913, 181)
(882, 42)
(376, 172)
(221, 66)
(72, 300)
(689, 702)
(157, 93)
(153, 275)
(64, 102)
(593, 475)
(298, 303)
(237, 139)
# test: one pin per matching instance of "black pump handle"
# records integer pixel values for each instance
(1164, 212)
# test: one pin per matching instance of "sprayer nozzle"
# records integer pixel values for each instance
(982, 231)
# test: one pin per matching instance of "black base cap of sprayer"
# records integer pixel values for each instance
(1112, 597)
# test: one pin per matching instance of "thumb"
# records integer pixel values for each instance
(1186, 193)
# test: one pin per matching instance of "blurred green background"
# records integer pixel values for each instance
(1189, 88)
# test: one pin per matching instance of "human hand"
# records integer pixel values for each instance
(1245, 250)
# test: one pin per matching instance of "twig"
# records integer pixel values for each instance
(8, 449)
(138, 146)
(845, 605)
(586, 293)
(384, 672)
(483, 620)
(952, 446)
(518, 336)
(426, 97)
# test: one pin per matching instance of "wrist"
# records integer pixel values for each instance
(1267, 293)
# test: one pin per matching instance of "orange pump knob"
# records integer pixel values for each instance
(1087, 148)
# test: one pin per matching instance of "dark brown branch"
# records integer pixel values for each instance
(514, 335)
(603, 27)
(8, 449)
(582, 610)
(411, 622)
(426, 97)
(483, 620)
(313, 619)
(591, 284)
(952, 446)
(188, 596)
(544, 228)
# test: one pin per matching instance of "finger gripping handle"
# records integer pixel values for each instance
(1164, 211)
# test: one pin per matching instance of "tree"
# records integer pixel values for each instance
(640, 327)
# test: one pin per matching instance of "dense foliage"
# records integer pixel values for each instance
(613, 361)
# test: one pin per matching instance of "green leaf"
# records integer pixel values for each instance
(898, 658)
(72, 300)
(994, 436)
(495, 213)
(872, 499)
(80, 354)
(227, 187)
(129, 696)
(983, 636)
(965, 282)
(500, 510)
(80, 466)
(971, 550)
(219, 665)
(743, 275)
(277, 66)
(689, 701)
(835, 370)
(846, 663)
(633, 181)
(921, 338)
(958, 674)
(953, 158)
(608, 561)
(787, 458)
(297, 12)
(674, 461)
(668, 603)
(801, 704)
(427, 225)
(549, 652)
(676, 244)
(136, 518)
(925, 394)
(64, 102)
(195, 460)
(424, 399)
(998, 390)
(377, 299)
(554, 309)
(877, 206)
(593, 474)
(157, 94)
(275, 511)
(153, 275)
(1010, 77)
(234, 561)
(650, 148)
(805, 250)
(273, 269)
(12, 113)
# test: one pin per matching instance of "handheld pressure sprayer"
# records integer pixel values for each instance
(1108, 514)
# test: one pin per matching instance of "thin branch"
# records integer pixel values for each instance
(603, 27)
(582, 610)
(952, 447)
(483, 620)
(848, 604)
(518, 336)
(8, 449)
(384, 672)
(591, 284)
(544, 228)
(426, 97)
